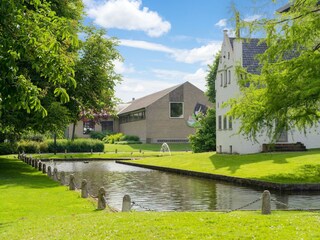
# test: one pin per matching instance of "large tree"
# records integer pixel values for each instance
(38, 49)
(286, 94)
(95, 76)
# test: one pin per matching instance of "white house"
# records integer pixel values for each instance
(236, 52)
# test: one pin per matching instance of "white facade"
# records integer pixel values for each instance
(227, 138)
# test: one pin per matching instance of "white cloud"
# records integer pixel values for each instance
(145, 45)
(203, 54)
(122, 68)
(222, 23)
(137, 88)
(197, 78)
(252, 18)
(127, 15)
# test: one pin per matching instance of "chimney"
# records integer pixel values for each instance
(133, 99)
(237, 25)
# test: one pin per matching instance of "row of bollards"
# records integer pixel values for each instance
(102, 203)
(53, 174)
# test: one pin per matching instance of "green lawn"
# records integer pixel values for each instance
(32, 206)
(299, 167)
(146, 147)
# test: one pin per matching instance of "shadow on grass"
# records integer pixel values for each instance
(234, 162)
(306, 174)
(14, 172)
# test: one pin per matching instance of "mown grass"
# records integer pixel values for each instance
(298, 167)
(146, 147)
(32, 206)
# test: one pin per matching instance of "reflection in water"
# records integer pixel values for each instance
(172, 192)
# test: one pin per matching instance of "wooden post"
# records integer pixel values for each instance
(44, 168)
(126, 203)
(55, 175)
(49, 173)
(266, 203)
(62, 178)
(40, 166)
(84, 189)
(101, 199)
(72, 185)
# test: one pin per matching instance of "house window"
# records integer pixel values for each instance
(229, 76)
(225, 122)
(230, 122)
(219, 123)
(225, 78)
(228, 55)
(131, 117)
(88, 126)
(107, 126)
(176, 110)
(221, 78)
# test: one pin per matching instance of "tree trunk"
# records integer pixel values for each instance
(73, 130)
(55, 143)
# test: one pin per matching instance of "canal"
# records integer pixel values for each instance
(163, 191)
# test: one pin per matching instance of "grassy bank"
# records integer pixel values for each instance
(34, 207)
(146, 147)
(299, 167)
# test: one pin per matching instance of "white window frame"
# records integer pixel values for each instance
(182, 110)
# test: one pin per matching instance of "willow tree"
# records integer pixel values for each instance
(286, 94)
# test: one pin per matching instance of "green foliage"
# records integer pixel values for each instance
(33, 137)
(287, 92)
(130, 138)
(8, 148)
(78, 145)
(113, 138)
(211, 78)
(204, 140)
(128, 142)
(99, 135)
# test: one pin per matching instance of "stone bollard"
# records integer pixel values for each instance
(72, 185)
(36, 162)
(62, 178)
(55, 175)
(101, 199)
(32, 162)
(266, 203)
(49, 172)
(84, 189)
(126, 203)
(44, 168)
(40, 166)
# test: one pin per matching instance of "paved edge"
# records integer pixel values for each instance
(236, 180)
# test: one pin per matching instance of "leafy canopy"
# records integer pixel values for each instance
(287, 92)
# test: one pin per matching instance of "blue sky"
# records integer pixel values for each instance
(168, 42)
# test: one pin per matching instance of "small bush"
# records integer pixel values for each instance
(130, 138)
(99, 135)
(8, 148)
(113, 138)
(78, 145)
(33, 137)
(128, 142)
(29, 146)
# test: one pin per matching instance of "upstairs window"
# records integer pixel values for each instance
(230, 123)
(219, 123)
(176, 110)
(225, 78)
(229, 76)
(225, 122)
(221, 78)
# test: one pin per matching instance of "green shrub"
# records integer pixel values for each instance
(8, 148)
(128, 142)
(99, 135)
(29, 146)
(204, 140)
(33, 137)
(78, 145)
(113, 138)
(130, 138)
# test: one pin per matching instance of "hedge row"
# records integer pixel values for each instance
(78, 145)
